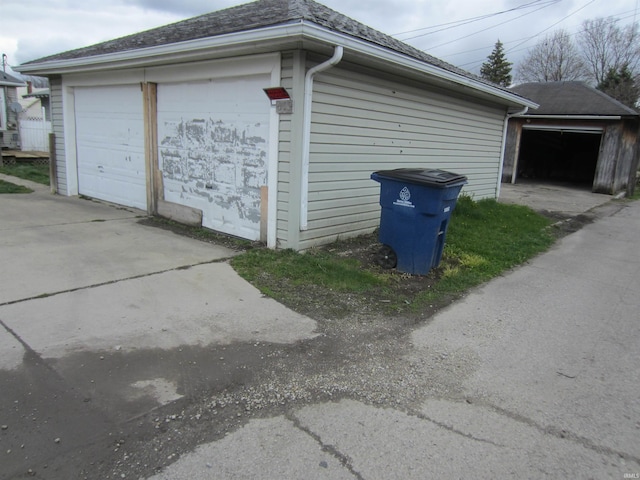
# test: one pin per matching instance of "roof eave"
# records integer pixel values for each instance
(573, 117)
(380, 53)
(7, 83)
(222, 45)
(261, 40)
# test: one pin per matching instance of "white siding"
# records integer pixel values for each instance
(284, 156)
(57, 120)
(361, 124)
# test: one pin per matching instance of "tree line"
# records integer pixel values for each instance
(602, 54)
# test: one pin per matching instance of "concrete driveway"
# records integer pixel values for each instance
(111, 337)
(103, 319)
(562, 199)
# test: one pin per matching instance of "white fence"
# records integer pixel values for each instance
(34, 134)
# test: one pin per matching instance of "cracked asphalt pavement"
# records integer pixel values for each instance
(130, 352)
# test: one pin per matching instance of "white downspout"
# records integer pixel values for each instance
(504, 146)
(306, 129)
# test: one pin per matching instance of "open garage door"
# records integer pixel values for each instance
(110, 144)
(563, 155)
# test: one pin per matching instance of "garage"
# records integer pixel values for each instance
(265, 120)
(559, 155)
(577, 135)
(110, 144)
(213, 142)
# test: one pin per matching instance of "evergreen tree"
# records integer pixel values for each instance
(620, 85)
(497, 69)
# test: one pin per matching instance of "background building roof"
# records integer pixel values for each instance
(571, 98)
(10, 81)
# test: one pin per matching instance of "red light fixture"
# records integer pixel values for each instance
(277, 93)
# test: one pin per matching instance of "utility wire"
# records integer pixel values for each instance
(612, 19)
(466, 21)
(477, 63)
(489, 28)
(551, 26)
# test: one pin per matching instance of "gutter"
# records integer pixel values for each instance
(261, 39)
(306, 132)
(569, 117)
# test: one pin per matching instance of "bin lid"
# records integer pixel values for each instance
(420, 176)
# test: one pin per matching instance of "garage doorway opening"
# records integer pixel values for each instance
(559, 156)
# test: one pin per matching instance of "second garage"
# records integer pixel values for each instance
(110, 144)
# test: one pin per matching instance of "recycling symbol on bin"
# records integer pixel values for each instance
(405, 194)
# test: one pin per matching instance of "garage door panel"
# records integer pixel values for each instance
(213, 145)
(110, 144)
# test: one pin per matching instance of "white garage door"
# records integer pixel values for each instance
(213, 149)
(110, 144)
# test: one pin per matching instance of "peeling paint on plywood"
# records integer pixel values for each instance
(213, 149)
(224, 164)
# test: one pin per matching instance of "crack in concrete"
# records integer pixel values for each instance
(449, 428)
(30, 352)
(559, 433)
(111, 282)
(133, 216)
(344, 460)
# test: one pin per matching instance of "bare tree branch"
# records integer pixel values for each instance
(554, 59)
(605, 47)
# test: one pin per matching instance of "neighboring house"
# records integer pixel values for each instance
(9, 110)
(578, 135)
(175, 121)
(34, 97)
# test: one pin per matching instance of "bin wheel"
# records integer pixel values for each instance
(386, 257)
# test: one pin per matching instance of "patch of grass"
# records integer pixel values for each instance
(317, 267)
(34, 173)
(8, 187)
(484, 239)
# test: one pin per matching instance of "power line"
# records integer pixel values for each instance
(492, 26)
(466, 21)
(610, 19)
(614, 18)
(553, 25)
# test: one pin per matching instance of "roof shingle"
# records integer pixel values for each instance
(251, 16)
(571, 98)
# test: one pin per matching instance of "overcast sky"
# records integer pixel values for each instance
(461, 32)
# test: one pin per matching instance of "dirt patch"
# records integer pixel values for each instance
(319, 303)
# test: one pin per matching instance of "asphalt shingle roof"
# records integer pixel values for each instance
(571, 98)
(251, 16)
(10, 80)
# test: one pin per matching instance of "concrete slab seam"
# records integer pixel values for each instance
(449, 428)
(111, 282)
(133, 216)
(344, 460)
(557, 432)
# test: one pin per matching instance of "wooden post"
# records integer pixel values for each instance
(264, 216)
(516, 154)
(150, 108)
(53, 169)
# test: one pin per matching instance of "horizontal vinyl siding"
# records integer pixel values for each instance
(361, 124)
(284, 156)
(57, 122)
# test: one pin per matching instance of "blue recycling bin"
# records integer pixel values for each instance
(416, 208)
